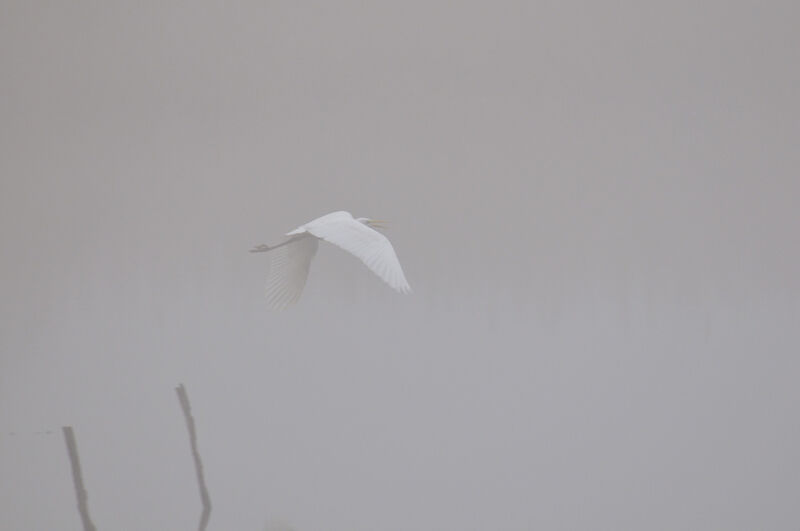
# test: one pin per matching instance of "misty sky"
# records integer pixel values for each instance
(594, 202)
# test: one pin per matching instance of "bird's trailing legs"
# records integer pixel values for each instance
(264, 247)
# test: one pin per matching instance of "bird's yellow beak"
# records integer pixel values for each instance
(379, 223)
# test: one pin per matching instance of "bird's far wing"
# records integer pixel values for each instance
(288, 270)
(365, 243)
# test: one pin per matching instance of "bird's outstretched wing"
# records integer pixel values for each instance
(365, 243)
(288, 269)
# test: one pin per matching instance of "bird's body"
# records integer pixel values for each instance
(290, 260)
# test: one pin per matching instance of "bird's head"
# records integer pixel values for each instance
(374, 223)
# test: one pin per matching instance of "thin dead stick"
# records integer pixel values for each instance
(183, 398)
(77, 478)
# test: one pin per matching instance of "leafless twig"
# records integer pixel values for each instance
(183, 398)
(77, 478)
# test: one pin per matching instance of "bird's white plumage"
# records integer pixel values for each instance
(290, 261)
(288, 270)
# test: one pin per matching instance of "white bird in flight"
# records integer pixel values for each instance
(290, 260)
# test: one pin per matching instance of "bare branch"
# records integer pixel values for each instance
(183, 398)
(77, 478)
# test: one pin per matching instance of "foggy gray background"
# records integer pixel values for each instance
(594, 202)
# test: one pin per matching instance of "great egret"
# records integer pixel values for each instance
(290, 260)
